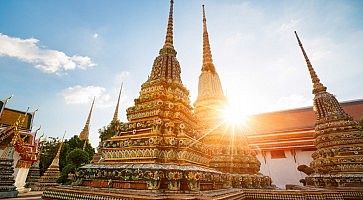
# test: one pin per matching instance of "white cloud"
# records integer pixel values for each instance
(47, 60)
(83, 95)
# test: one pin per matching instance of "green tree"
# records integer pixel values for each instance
(49, 148)
(75, 158)
(110, 130)
(71, 144)
(68, 146)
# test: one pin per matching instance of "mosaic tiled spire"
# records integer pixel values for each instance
(207, 54)
(166, 66)
(85, 131)
(115, 115)
(338, 160)
(210, 86)
(169, 32)
(210, 100)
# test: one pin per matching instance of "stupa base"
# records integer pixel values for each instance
(43, 186)
(170, 177)
(90, 193)
(340, 180)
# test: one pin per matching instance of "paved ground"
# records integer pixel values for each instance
(29, 196)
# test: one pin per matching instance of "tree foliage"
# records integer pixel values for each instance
(49, 149)
(72, 144)
(75, 158)
(110, 130)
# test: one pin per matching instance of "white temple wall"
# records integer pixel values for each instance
(282, 166)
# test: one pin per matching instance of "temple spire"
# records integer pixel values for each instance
(55, 161)
(115, 115)
(85, 131)
(169, 32)
(317, 85)
(207, 54)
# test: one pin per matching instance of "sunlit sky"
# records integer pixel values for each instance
(57, 55)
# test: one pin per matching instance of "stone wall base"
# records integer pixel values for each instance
(10, 194)
(89, 193)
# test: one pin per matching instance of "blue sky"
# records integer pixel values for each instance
(57, 55)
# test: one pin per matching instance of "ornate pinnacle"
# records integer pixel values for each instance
(317, 86)
(85, 131)
(55, 161)
(115, 115)
(169, 33)
(207, 55)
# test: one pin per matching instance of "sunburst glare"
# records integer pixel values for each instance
(234, 115)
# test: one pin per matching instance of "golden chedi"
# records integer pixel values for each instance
(338, 160)
(231, 153)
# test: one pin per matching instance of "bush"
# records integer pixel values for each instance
(77, 157)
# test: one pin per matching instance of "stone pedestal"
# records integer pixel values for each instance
(7, 188)
(20, 180)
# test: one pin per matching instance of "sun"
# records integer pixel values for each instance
(233, 115)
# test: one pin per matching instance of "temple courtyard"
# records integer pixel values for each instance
(170, 146)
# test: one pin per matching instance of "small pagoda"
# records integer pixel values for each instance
(51, 175)
(338, 160)
(7, 188)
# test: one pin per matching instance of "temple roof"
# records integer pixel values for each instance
(296, 119)
(9, 117)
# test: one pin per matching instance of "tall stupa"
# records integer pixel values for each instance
(338, 160)
(158, 148)
(210, 100)
(231, 153)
